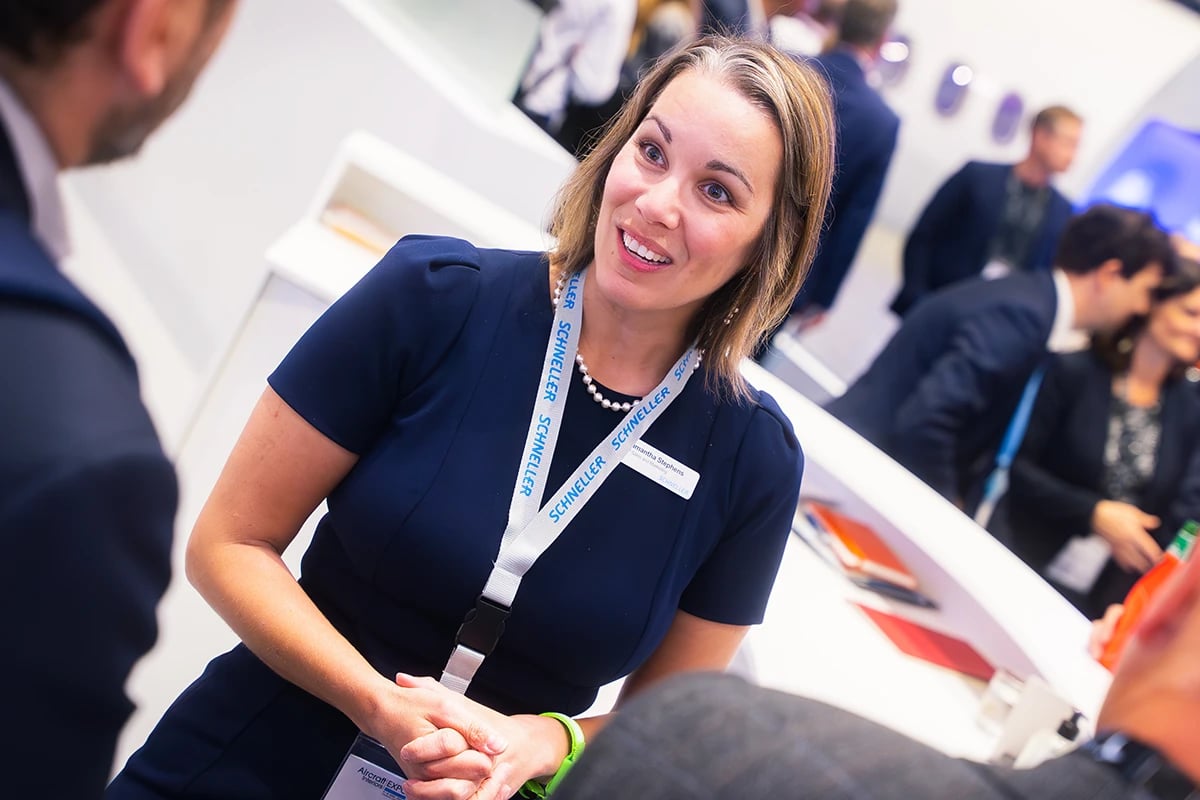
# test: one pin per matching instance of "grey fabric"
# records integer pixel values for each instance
(717, 737)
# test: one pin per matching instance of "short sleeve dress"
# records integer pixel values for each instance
(428, 370)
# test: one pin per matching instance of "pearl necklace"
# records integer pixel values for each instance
(622, 407)
(595, 393)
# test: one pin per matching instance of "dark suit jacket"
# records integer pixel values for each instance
(950, 241)
(1057, 476)
(940, 395)
(866, 139)
(716, 736)
(87, 504)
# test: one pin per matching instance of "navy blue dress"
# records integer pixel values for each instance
(428, 370)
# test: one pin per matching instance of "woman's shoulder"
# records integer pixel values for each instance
(1185, 390)
(435, 269)
(768, 419)
(767, 440)
(439, 252)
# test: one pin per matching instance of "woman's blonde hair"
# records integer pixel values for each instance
(737, 317)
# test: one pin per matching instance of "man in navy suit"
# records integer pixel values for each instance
(87, 498)
(993, 219)
(718, 737)
(941, 393)
(867, 131)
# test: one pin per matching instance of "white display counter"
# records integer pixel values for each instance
(816, 643)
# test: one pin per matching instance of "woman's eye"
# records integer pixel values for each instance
(716, 192)
(651, 152)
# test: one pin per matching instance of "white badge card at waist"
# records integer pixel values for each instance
(1078, 564)
(996, 269)
(661, 468)
(368, 772)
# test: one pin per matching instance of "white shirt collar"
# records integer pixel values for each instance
(39, 169)
(1064, 336)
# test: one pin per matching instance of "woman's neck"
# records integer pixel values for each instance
(628, 351)
(1149, 367)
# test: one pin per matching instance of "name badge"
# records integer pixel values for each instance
(1078, 564)
(662, 469)
(368, 772)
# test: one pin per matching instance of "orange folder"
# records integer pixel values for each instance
(859, 548)
(930, 645)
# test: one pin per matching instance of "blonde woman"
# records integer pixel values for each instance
(426, 406)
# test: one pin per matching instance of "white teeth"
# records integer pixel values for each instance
(634, 246)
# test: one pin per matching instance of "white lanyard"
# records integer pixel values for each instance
(531, 531)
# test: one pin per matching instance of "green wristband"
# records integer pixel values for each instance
(535, 789)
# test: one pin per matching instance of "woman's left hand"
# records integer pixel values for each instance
(536, 745)
(1103, 629)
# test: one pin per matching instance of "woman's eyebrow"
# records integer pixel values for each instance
(715, 164)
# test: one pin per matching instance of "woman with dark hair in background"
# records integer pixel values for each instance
(1110, 464)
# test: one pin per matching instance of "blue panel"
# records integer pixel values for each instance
(1158, 171)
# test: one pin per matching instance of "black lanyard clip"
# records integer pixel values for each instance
(483, 626)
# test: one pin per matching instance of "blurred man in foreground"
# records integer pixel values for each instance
(87, 497)
(715, 736)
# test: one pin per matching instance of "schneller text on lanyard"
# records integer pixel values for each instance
(530, 530)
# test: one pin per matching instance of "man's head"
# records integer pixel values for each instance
(1115, 258)
(1054, 138)
(865, 23)
(1155, 694)
(101, 75)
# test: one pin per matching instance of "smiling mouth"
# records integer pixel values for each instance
(639, 250)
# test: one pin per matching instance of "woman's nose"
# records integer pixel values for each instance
(659, 203)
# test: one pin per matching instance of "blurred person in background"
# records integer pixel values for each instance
(661, 25)
(87, 497)
(1108, 470)
(576, 66)
(941, 393)
(992, 219)
(804, 28)
(867, 131)
(731, 17)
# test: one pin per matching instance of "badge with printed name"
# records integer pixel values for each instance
(368, 772)
(662, 469)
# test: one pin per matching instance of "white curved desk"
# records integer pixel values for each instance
(814, 642)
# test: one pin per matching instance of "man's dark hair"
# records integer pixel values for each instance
(866, 22)
(37, 30)
(1105, 232)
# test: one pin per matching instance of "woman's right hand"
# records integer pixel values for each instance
(464, 766)
(1126, 528)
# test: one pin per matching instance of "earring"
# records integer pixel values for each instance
(729, 317)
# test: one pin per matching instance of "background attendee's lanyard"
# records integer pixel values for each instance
(368, 772)
(996, 484)
(531, 531)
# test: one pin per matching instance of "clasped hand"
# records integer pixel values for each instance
(452, 748)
